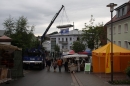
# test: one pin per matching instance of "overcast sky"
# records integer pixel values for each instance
(41, 12)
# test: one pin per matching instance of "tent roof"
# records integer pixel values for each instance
(8, 47)
(117, 50)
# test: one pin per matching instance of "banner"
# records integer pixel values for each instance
(87, 67)
(107, 60)
(64, 31)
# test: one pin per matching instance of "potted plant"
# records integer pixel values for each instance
(128, 70)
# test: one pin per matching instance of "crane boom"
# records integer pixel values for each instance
(52, 21)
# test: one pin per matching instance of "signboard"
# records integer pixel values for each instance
(87, 67)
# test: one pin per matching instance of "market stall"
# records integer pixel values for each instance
(121, 57)
(76, 57)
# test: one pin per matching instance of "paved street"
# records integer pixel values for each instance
(44, 78)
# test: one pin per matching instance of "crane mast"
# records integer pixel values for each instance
(52, 21)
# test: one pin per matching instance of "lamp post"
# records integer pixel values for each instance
(111, 5)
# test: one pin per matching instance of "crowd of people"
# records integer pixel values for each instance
(58, 63)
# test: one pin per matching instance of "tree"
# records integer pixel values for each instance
(78, 46)
(9, 24)
(92, 34)
(57, 50)
(21, 34)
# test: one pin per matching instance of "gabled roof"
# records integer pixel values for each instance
(5, 39)
(115, 18)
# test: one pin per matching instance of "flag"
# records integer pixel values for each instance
(64, 31)
(107, 60)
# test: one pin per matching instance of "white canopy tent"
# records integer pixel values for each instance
(75, 55)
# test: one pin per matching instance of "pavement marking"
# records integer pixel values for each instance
(75, 79)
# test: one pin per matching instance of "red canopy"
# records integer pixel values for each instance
(71, 52)
(84, 52)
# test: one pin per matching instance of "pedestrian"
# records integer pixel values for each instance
(54, 65)
(48, 63)
(59, 63)
(66, 66)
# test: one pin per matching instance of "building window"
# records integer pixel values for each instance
(110, 31)
(119, 13)
(59, 38)
(123, 11)
(114, 42)
(62, 39)
(114, 30)
(126, 44)
(66, 39)
(119, 43)
(119, 29)
(126, 28)
(77, 38)
(70, 47)
(62, 47)
(70, 38)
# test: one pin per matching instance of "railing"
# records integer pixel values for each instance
(63, 42)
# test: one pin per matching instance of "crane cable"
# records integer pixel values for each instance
(64, 14)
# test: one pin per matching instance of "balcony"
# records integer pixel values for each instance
(63, 42)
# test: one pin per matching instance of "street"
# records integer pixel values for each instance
(43, 78)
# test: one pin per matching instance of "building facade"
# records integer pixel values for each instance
(121, 26)
(47, 45)
(65, 41)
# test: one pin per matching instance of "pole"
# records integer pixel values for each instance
(111, 47)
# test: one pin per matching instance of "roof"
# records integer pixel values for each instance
(9, 47)
(71, 32)
(117, 50)
(2, 32)
(115, 18)
(5, 39)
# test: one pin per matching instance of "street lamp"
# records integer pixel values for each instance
(111, 5)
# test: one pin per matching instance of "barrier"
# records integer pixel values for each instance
(4, 75)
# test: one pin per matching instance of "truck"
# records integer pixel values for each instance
(35, 57)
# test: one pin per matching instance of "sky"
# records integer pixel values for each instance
(40, 12)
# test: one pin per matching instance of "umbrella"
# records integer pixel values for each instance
(71, 52)
(89, 52)
(75, 55)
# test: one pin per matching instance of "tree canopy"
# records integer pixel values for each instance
(20, 32)
(92, 34)
(78, 46)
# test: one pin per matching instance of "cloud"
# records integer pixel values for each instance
(41, 12)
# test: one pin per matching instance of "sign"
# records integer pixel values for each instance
(87, 67)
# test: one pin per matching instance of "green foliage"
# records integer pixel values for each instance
(56, 48)
(128, 70)
(78, 46)
(21, 34)
(92, 34)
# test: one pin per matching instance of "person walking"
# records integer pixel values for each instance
(59, 63)
(66, 66)
(54, 65)
(48, 64)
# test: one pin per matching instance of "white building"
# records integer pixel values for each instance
(121, 26)
(65, 41)
(47, 45)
